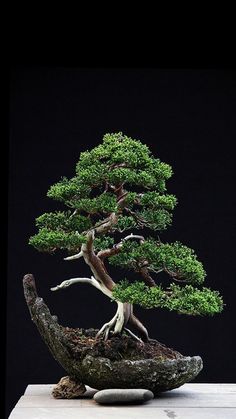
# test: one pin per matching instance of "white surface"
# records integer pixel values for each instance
(200, 401)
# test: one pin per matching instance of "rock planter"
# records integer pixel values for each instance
(155, 375)
(162, 370)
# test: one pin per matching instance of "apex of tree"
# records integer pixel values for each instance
(119, 186)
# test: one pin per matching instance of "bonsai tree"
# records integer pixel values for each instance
(116, 208)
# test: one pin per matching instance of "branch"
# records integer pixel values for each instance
(88, 247)
(115, 165)
(74, 213)
(139, 220)
(117, 247)
(69, 282)
(174, 275)
(106, 253)
(121, 196)
(134, 236)
(77, 256)
(107, 224)
(146, 276)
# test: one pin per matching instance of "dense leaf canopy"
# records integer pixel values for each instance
(184, 300)
(121, 177)
(90, 195)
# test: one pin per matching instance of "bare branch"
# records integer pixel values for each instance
(74, 213)
(69, 282)
(133, 236)
(73, 257)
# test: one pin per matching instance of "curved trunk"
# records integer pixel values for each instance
(96, 265)
(124, 314)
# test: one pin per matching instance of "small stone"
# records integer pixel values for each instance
(68, 388)
(120, 395)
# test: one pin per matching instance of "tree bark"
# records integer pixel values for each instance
(124, 315)
(96, 265)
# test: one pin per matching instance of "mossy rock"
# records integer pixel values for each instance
(120, 362)
(154, 375)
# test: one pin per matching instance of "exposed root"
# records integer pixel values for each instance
(107, 327)
(141, 329)
(133, 335)
(116, 323)
(124, 315)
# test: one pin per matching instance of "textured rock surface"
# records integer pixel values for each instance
(68, 388)
(151, 374)
(118, 395)
(101, 372)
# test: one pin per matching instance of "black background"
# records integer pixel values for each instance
(187, 117)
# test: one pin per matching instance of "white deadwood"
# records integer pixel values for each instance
(73, 257)
(133, 236)
(69, 282)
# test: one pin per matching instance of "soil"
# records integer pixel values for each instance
(81, 342)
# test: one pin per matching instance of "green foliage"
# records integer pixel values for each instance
(48, 240)
(190, 300)
(125, 149)
(120, 161)
(156, 220)
(127, 258)
(66, 189)
(175, 258)
(94, 175)
(132, 177)
(125, 223)
(102, 243)
(104, 203)
(60, 230)
(64, 220)
(155, 200)
(130, 199)
(184, 300)
(159, 169)
(139, 167)
(138, 293)
(117, 148)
